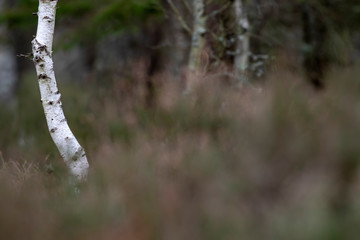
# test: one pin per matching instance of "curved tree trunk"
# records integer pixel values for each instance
(69, 148)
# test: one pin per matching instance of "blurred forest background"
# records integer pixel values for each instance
(265, 147)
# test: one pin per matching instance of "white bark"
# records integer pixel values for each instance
(197, 45)
(68, 146)
(243, 41)
(198, 35)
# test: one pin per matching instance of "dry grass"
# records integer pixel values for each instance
(274, 161)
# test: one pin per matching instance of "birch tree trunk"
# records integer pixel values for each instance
(68, 146)
(8, 76)
(198, 36)
(241, 60)
(197, 42)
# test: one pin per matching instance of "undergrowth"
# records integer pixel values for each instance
(275, 161)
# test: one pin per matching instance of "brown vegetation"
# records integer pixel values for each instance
(271, 161)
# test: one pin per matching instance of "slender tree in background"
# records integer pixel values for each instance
(315, 33)
(8, 76)
(198, 35)
(241, 60)
(68, 146)
(178, 33)
(197, 42)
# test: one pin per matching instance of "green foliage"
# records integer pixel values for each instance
(91, 19)
(122, 15)
(96, 19)
(20, 17)
(73, 8)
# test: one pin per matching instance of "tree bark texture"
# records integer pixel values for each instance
(241, 60)
(198, 36)
(197, 42)
(68, 146)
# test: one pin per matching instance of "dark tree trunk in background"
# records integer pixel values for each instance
(8, 73)
(155, 64)
(258, 25)
(315, 34)
(90, 55)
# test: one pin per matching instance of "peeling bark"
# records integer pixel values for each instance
(68, 146)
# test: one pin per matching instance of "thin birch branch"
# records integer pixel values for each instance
(179, 17)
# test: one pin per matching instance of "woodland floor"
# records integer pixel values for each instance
(274, 160)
